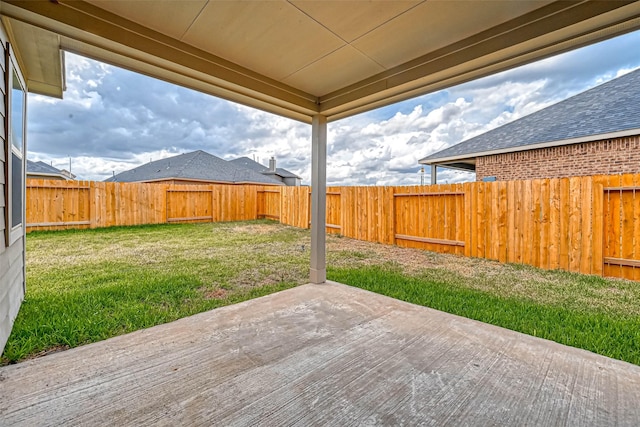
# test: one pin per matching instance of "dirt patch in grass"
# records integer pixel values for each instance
(51, 350)
(253, 228)
(215, 293)
(412, 261)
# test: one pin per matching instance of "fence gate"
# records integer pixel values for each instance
(269, 204)
(187, 205)
(430, 220)
(56, 205)
(621, 240)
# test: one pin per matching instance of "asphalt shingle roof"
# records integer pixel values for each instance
(610, 107)
(248, 163)
(42, 168)
(198, 165)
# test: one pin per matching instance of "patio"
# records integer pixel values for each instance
(322, 355)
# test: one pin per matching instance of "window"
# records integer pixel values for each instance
(15, 154)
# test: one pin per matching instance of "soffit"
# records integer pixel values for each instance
(172, 18)
(432, 25)
(283, 40)
(39, 56)
(351, 20)
(273, 39)
(343, 67)
(334, 58)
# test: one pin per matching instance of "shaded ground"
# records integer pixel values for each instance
(322, 355)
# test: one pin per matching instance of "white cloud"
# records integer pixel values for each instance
(112, 120)
(621, 72)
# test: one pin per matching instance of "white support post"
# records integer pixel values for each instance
(434, 174)
(318, 198)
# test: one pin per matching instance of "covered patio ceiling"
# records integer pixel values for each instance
(303, 58)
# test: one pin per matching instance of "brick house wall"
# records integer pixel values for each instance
(607, 157)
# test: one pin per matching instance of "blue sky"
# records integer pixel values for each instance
(111, 120)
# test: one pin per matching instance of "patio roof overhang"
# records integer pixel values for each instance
(302, 58)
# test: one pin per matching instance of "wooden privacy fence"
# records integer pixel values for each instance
(589, 225)
(56, 205)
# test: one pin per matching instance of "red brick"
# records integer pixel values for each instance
(613, 156)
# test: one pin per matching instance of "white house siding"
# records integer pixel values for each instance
(11, 258)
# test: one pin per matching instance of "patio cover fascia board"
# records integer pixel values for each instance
(554, 28)
(457, 166)
(104, 36)
(472, 156)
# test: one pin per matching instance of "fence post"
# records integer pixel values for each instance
(280, 205)
(92, 204)
(165, 203)
(213, 203)
(466, 218)
(392, 214)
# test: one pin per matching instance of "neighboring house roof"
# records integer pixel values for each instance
(197, 165)
(610, 110)
(248, 163)
(40, 168)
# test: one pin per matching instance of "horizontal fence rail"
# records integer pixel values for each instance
(588, 224)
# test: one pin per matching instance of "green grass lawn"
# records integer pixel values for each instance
(89, 285)
(85, 286)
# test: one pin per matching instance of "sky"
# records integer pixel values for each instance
(112, 120)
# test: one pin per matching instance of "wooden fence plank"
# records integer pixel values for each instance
(517, 232)
(607, 226)
(465, 218)
(481, 220)
(586, 233)
(564, 223)
(495, 220)
(554, 223)
(527, 224)
(545, 211)
(575, 224)
(390, 216)
(597, 228)
(615, 219)
(536, 226)
(636, 225)
(460, 223)
(626, 225)
(510, 226)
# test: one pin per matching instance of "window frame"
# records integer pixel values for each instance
(13, 233)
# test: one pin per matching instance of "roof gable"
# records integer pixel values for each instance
(605, 109)
(41, 168)
(196, 165)
(248, 163)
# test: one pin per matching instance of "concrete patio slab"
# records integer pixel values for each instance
(322, 355)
